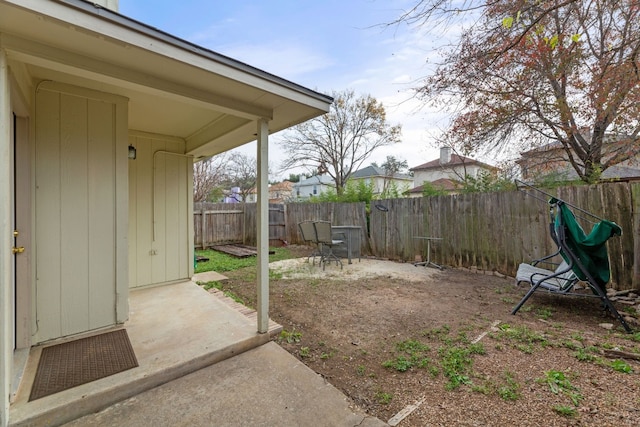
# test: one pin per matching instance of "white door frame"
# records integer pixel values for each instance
(23, 226)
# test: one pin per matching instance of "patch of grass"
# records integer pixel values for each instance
(234, 297)
(413, 353)
(411, 347)
(477, 348)
(400, 364)
(482, 389)
(526, 308)
(633, 337)
(544, 313)
(577, 336)
(521, 337)
(384, 398)
(210, 285)
(509, 390)
(559, 383)
(361, 370)
(275, 275)
(621, 366)
(507, 300)
(437, 333)
(565, 411)
(456, 365)
(585, 355)
(571, 345)
(290, 337)
(325, 355)
(222, 262)
(304, 352)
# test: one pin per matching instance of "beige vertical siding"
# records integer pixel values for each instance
(76, 214)
(160, 213)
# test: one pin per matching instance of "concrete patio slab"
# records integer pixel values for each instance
(174, 330)
(209, 276)
(265, 386)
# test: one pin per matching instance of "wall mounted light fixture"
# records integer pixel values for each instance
(132, 152)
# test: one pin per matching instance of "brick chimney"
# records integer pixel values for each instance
(107, 4)
(445, 155)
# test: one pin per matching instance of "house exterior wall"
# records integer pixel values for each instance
(454, 173)
(556, 161)
(161, 211)
(309, 190)
(312, 186)
(81, 210)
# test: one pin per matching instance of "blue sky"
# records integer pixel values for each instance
(326, 45)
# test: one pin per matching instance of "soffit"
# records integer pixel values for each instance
(172, 90)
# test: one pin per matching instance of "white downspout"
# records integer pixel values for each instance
(6, 239)
(263, 226)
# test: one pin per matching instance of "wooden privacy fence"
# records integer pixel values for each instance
(498, 231)
(336, 213)
(491, 231)
(220, 223)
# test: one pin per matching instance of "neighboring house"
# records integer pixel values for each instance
(551, 160)
(278, 193)
(380, 180)
(447, 172)
(281, 192)
(101, 118)
(442, 184)
(312, 186)
(234, 196)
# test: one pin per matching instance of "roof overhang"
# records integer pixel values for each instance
(174, 87)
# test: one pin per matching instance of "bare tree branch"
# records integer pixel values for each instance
(531, 73)
(341, 140)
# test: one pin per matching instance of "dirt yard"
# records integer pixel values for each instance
(443, 347)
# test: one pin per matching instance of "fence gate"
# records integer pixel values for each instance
(277, 225)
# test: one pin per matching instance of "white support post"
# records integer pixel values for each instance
(263, 226)
(6, 241)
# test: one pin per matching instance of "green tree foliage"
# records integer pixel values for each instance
(486, 182)
(392, 167)
(538, 72)
(428, 189)
(353, 192)
(340, 141)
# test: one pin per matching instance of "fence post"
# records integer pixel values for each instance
(204, 224)
(635, 209)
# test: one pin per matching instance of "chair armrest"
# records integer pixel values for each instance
(544, 259)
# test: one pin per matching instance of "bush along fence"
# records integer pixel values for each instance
(489, 231)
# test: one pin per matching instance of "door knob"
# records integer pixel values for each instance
(18, 250)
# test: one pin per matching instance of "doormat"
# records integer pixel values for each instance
(70, 364)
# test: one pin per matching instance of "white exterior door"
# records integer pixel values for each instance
(76, 217)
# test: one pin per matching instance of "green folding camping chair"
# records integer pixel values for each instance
(585, 257)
